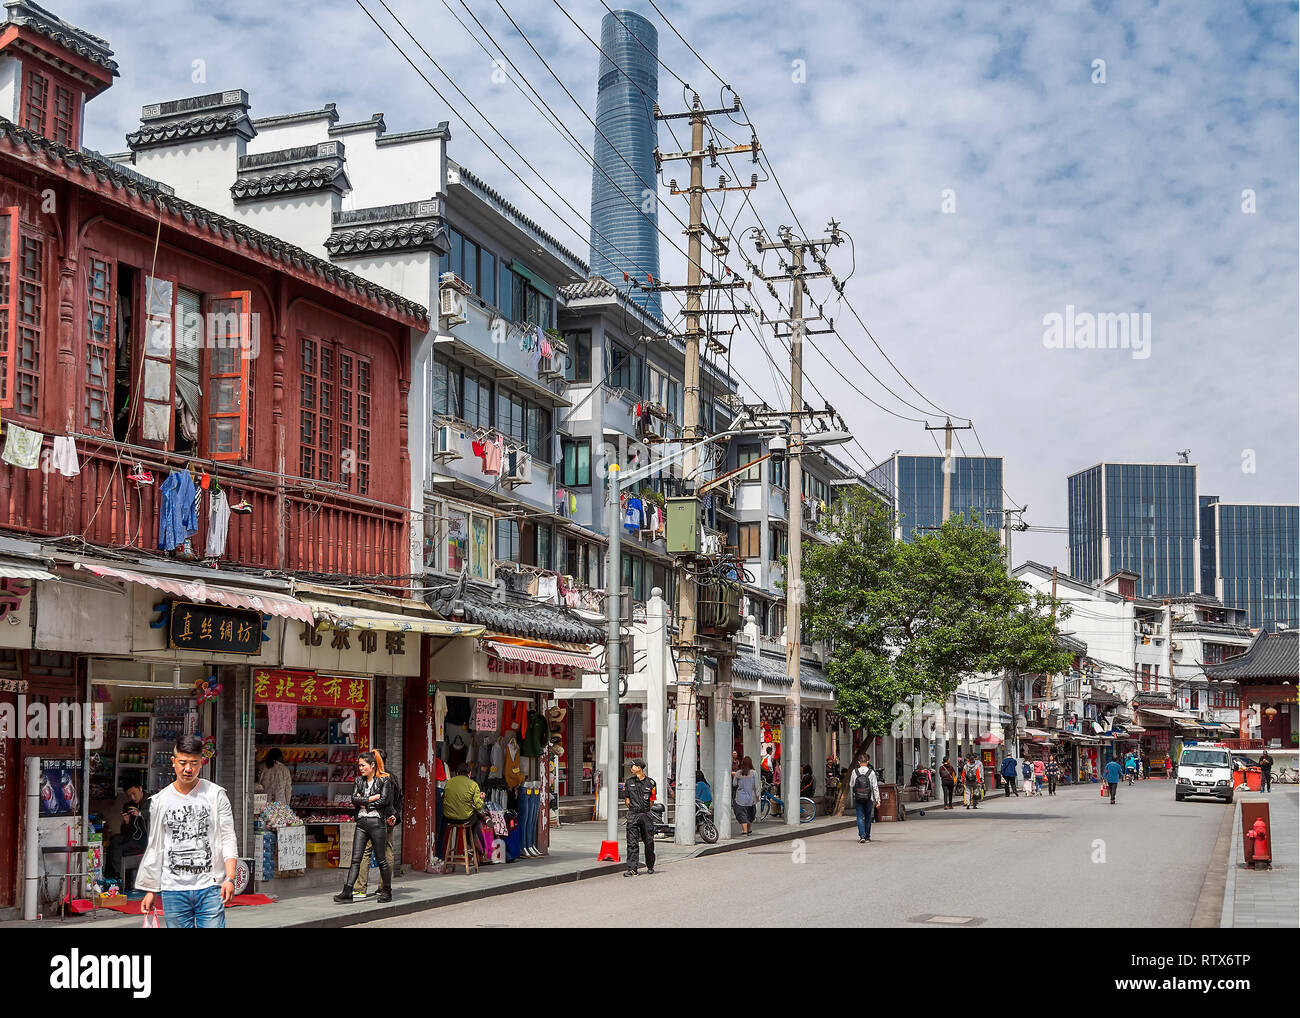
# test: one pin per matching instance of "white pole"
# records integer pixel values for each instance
(613, 653)
(32, 875)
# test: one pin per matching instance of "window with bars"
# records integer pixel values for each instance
(30, 307)
(36, 102)
(8, 303)
(101, 315)
(64, 116)
(334, 414)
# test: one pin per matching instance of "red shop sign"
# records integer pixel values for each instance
(309, 689)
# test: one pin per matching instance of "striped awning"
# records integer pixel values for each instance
(541, 655)
(338, 616)
(281, 605)
(10, 571)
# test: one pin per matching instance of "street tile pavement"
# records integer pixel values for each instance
(1266, 898)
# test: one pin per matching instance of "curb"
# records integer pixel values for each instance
(393, 911)
(1226, 914)
(1209, 903)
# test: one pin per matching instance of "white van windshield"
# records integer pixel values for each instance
(1204, 758)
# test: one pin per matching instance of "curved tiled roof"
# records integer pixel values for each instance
(317, 178)
(78, 40)
(227, 229)
(522, 616)
(1271, 656)
(406, 237)
(180, 130)
(769, 669)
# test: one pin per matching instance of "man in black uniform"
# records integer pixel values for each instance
(638, 792)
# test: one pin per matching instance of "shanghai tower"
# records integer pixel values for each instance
(624, 187)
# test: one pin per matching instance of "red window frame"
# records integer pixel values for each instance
(334, 413)
(101, 333)
(227, 355)
(28, 323)
(355, 383)
(8, 303)
(36, 101)
(63, 125)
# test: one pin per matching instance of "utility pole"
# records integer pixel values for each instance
(613, 652)
(947, 430)
(792, 750)
(687, 639)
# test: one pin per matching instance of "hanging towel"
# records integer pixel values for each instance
(548, 589)
(23, 448)
(492, 453)
(176, 518)
(218, 525)
(64, 457)
(573, 504)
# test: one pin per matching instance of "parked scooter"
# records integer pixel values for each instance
(705, 830)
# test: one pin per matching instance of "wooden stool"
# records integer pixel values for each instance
(463, 850)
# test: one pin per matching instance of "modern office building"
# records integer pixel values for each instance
(1254, 560)
(624, 185)
(1138, 517)
(914, 485)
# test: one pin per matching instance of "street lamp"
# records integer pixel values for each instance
(618, 480)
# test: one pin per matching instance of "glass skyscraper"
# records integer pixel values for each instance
(915, 486)
(1139, 517)
(624, 185)
(1256, 560)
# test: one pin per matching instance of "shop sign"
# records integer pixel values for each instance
(12, 592)
(392, 710)
(216, 628)
(485, 715)
(291, 843)
(562, 673)
(307, 689)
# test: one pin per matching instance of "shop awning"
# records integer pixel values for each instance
(1173, 715)
(13, 571)
(541, 655)
(1035, 733)
(337, 616)
(280, 605)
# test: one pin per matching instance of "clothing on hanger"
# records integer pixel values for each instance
(177, 519)
(218, 525)
(514, 773)
(492, 455)
(439, 716)
(548, 589)
(633, 515)
(22, 447)
(63, 458)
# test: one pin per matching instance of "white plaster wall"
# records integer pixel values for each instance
(275, 137)
(201, 172)
(303, 220)
(10, 87)
(391, 174)
(413, 274)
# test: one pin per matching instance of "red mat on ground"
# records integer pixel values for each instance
(127, 907)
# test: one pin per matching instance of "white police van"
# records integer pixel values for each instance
(1204, 768)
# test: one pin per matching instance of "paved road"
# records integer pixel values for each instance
(1068, 860)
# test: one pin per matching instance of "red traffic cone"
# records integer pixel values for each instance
(608, 852)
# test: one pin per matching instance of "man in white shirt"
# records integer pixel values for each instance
(192, 851)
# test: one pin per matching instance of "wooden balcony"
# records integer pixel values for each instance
(320, 531)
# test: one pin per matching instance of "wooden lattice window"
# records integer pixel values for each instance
(354, 421)
(29, 314)
(8, 303)
(316, 413)
(229, 351)
(63, 126)
(36, 102)
(101, 315)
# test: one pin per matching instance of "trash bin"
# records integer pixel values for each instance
(888, 808)
(1254, 779)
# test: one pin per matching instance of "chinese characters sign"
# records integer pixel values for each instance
(211, 627)
(307, 689)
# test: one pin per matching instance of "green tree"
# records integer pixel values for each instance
(911, 619)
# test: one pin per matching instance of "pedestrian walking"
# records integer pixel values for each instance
(866, 797)
(972, 777)
(1169, 766)
(372, 795)
(1266, 772)
(744, 796)
(192, 851)
(1027, 776)
(947, 778)
(1008, 772)
(1114, 776)
(1053, 772)
(1040, 776)
(394, 817)
(1130, 766)
(638, 795)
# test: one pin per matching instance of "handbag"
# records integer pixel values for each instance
(150, 921)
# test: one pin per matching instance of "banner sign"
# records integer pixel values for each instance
(210, 627)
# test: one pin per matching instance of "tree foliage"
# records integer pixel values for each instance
(911, 619)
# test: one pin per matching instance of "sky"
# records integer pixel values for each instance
(994, 164)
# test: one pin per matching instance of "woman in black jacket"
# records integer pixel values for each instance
(372, 795)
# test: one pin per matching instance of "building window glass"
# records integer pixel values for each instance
(457, 540)
(543, 547)
(749, 540)
(577, 365)
(507, 540)
(745, 455)
(97, 406)
(575, 463)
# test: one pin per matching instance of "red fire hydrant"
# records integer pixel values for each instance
(1258, 835)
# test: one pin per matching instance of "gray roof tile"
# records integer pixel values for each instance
(1271, 656)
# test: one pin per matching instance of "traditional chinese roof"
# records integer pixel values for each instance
(229, 231)
(149, 135)
(408, 226)
(520, 616)
(1271, 656)
(37, 19)
(292, 171)
(769, 668)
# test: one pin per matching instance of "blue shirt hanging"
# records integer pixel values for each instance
(177, 518)
(633, 515)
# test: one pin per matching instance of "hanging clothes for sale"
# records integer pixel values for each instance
(63, 458)
(514, 773)
(535, 738)
(218, 524)
(439, 716)
(22, 447)
(177, 520)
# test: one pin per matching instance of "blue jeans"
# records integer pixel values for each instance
(864, 817)
(188, 910)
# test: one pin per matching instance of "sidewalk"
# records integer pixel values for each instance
(1266, 898)
(572, 857)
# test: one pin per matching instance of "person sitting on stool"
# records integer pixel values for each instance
(134, 834)
(638, 794)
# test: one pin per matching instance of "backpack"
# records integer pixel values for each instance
(971, 773)
(1027, 769)
(397, 799)
(862, 786)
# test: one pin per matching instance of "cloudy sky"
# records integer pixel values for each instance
(994, 164)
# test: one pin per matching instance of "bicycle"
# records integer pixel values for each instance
(769, 799)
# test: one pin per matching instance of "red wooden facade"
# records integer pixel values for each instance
(112, 293)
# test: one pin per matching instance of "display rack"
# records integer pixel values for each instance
(134, 730)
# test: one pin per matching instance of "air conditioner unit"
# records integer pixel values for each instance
(451, 306)
(446, 443)
(518, 468)
(550, 367)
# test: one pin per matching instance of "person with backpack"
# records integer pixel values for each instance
(866, 797)
(973, 777)
(1008, 772)
(1027, 775)
(393, 819)
(1114, 775)
(947, 778)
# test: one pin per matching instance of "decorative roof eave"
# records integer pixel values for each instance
(106, 179)
(1271, 656)
(521, 617)
(28, 18)
(766, 669)
(210, 126)
(326, 178)
(415, 237)
(328, 111)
